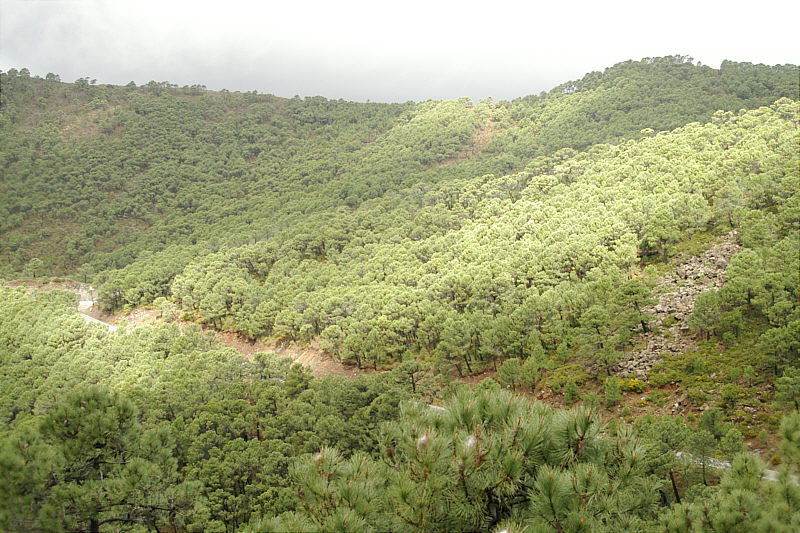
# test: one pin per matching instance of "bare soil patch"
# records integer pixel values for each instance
(480, 138)
(311, 356)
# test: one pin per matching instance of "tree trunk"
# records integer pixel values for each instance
(674, 487)
(641, 319)
(466, 362)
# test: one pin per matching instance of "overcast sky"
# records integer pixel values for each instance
(382, 50)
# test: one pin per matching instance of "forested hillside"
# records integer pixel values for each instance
(96, 177)
(544, 244)
(181, 431)
(486, 267)
(159, 428)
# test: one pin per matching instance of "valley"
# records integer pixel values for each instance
(227, 311)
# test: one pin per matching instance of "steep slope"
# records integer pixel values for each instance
(475, 270)
(96, 177)
(677, 293)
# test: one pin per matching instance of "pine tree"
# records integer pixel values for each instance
(88, 465)
(489, 460)
(745, 500)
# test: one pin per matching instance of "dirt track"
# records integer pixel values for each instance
(310, 356)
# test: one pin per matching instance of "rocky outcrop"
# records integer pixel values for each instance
(676, 295)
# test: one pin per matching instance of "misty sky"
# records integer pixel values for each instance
(382, 51)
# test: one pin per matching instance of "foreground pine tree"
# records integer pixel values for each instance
(89, 467)
(748, 500)
(489, 461)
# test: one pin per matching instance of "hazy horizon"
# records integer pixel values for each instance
(356, 51)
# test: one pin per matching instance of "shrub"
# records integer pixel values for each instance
(732, 442)
(591, 399)
(658, 379)
(730, 395)
(695, 365)
(570, 392)
(696, 395)
(711, 421)
(612, 391)
(658, 397)
(631, 385)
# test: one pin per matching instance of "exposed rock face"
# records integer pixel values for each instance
(675, 305)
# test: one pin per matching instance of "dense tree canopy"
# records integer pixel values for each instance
(157, 426)
(105, 176)
(487, 462)
(428, 240)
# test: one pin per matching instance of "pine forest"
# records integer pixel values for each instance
(575, 311)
